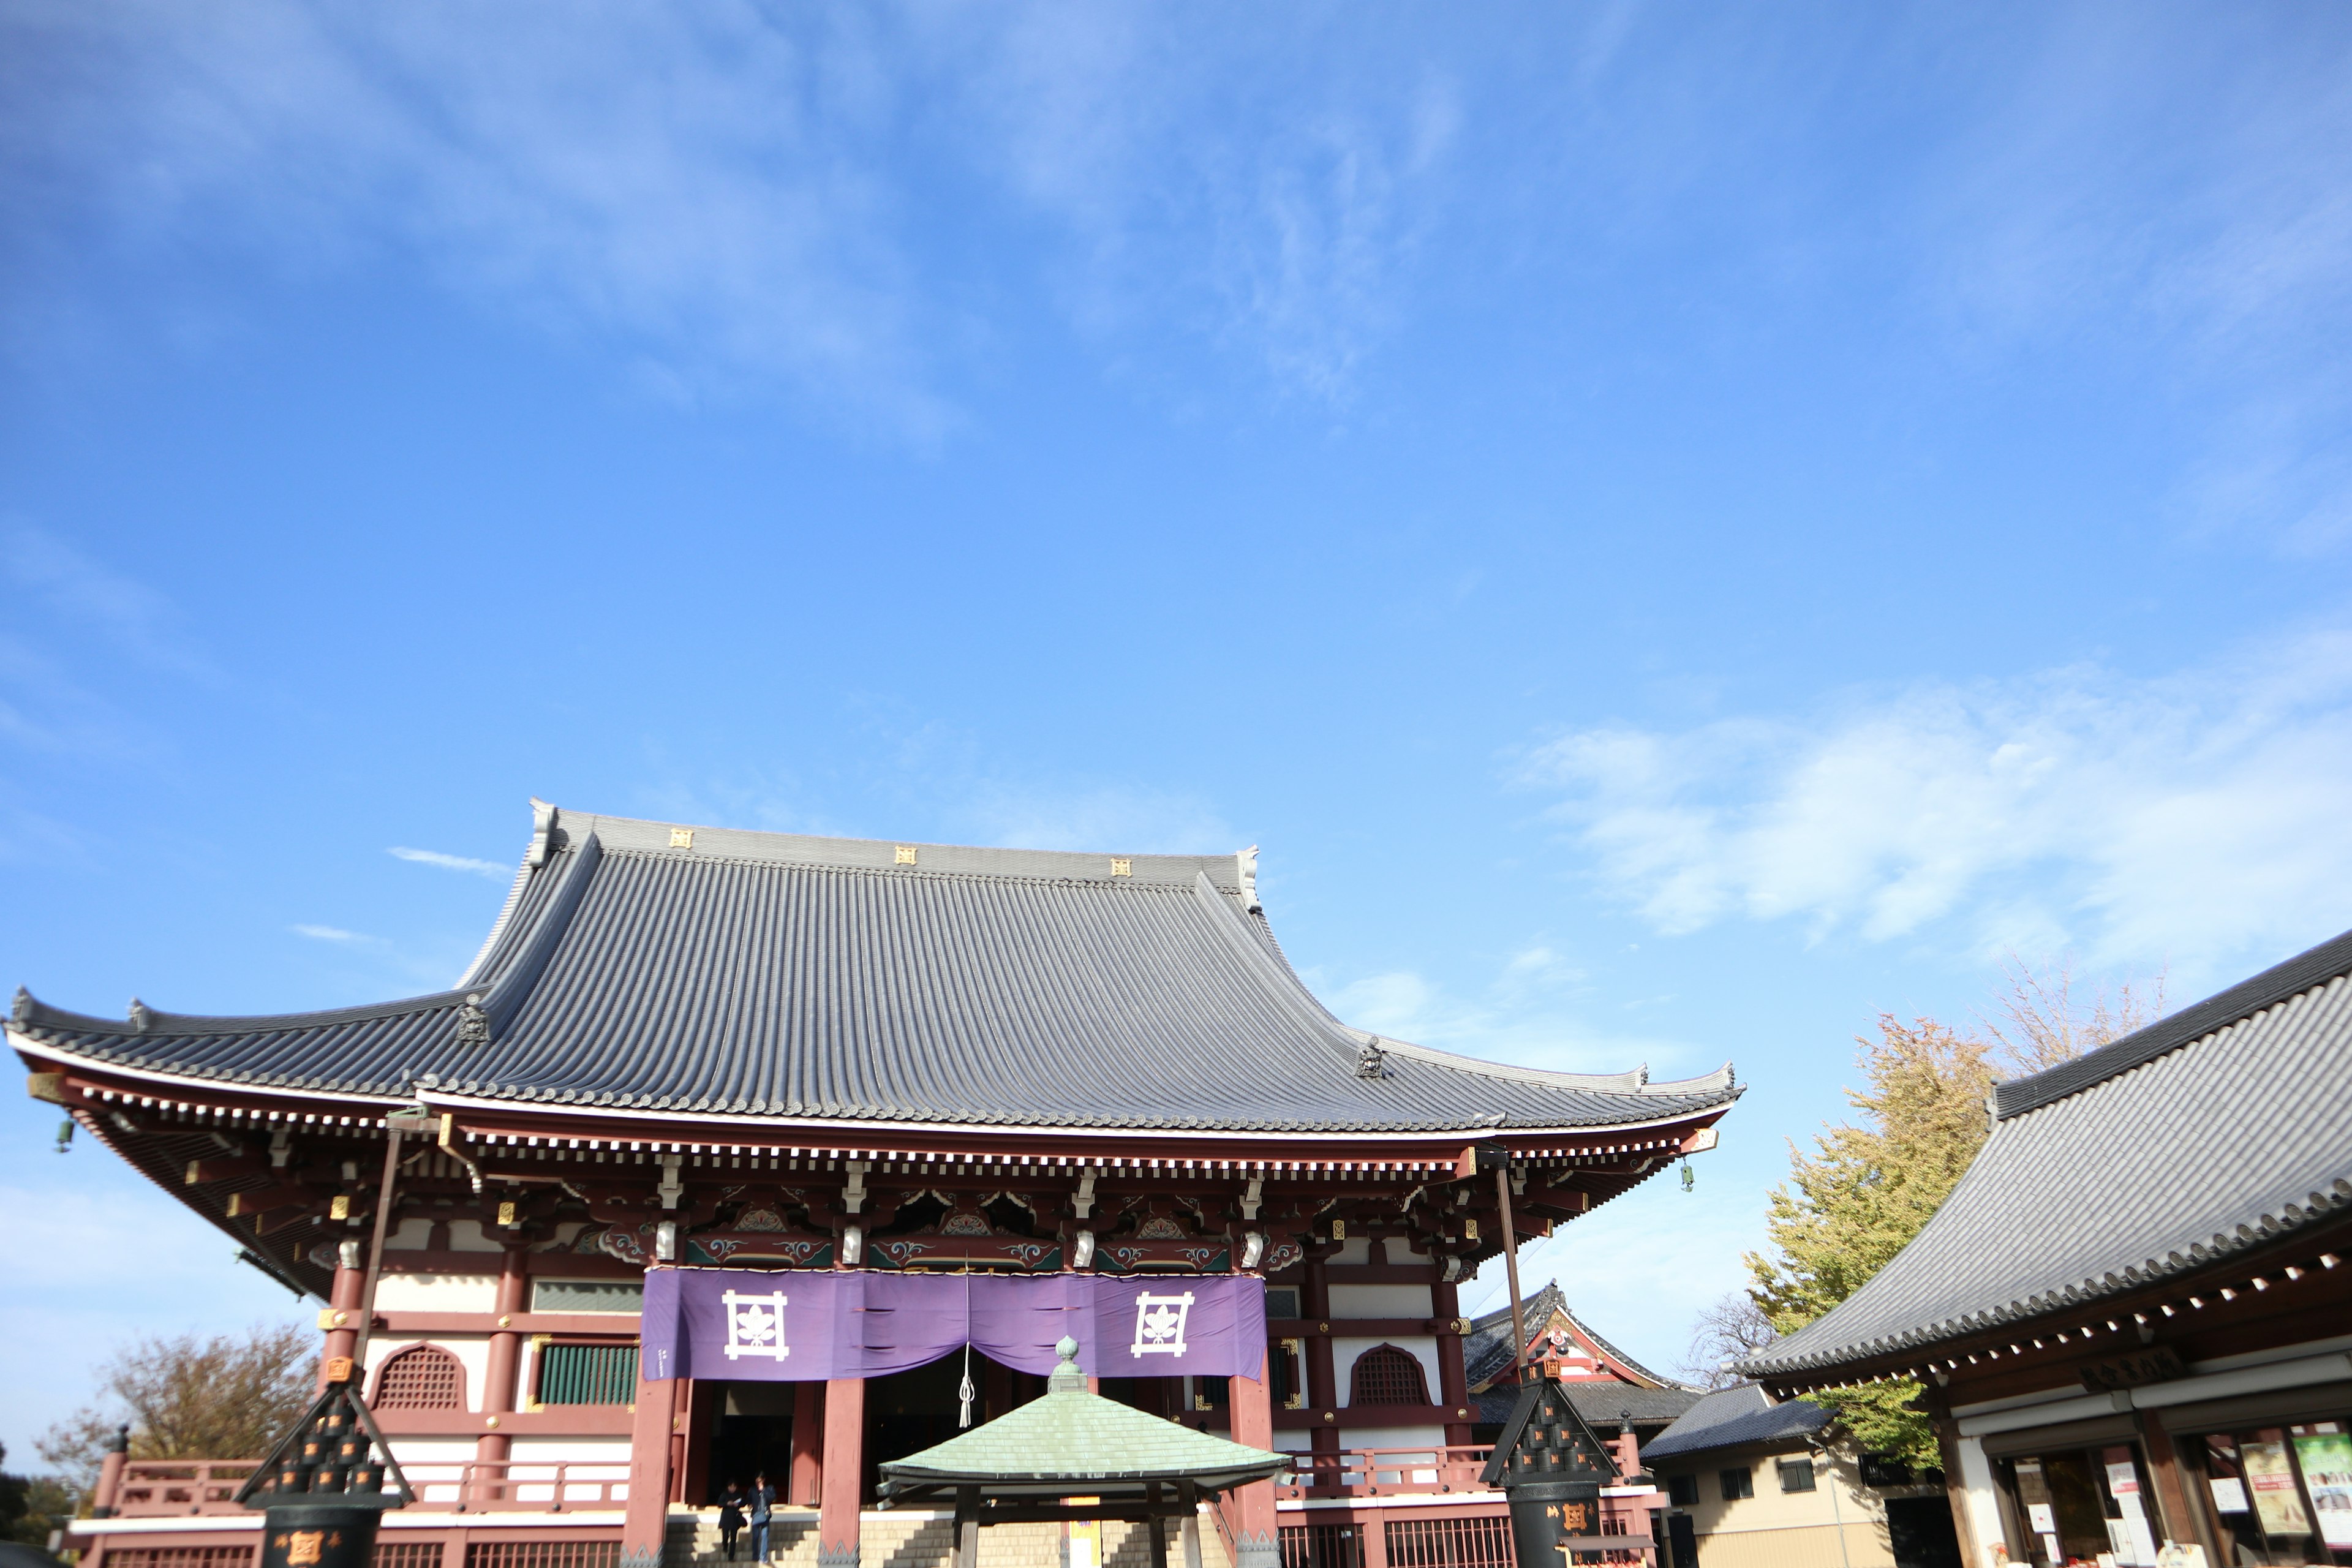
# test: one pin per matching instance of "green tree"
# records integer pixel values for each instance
(33, 1506)
(1870, 1185)
(1863, 1193)
(225, 1398)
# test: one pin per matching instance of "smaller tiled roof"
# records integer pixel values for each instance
(1073, 1441)
(2225, 1128)
(1735, 1418)
(1486, 1352)
(1607, 1404)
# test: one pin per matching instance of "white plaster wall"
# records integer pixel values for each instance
(436, 1293)
(466, 1235)
(1381, 1302)
(431, 1465)
(472, 1355)
(1344, 1353)
(1395, 1437)
(410, 1234)
(570, 1450)
(1355, 1250)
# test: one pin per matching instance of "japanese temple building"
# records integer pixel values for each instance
(860, 1079)
(2132, 1318)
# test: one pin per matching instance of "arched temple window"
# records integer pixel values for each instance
(422, 1377)
(1387, 1375)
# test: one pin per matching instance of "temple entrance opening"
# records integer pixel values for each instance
(753, 1435)
(910, 1411)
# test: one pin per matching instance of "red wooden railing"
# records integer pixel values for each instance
(151, 1489)
(1386, 1472)
(162, 1488)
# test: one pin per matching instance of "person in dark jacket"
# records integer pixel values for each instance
(730, 1517)
(763, 1503)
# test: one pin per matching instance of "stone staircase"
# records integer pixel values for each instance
(914, 1541)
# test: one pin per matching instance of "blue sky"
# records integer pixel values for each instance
(1676, 530)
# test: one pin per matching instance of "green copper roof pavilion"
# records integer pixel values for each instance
(1071, 1442)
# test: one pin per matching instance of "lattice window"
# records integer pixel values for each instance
(1449, 1543)
(1321, 1546)
(587, 1373)
(1387, 1375)
(180, 1556)
(423, 1377)
(543, 1555)
(405, 1554)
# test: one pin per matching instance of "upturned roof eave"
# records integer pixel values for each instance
(630, 1119)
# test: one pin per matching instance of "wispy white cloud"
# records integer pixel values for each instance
(741, 195)
(490, 868)
(2188, 819)
(336, 934)
(1533, 1010)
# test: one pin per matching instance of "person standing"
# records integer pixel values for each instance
(730, 1517)
(763, 1503)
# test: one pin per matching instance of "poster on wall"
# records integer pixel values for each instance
(2325, 1450)
(2271, 1477)
(2134, 1541)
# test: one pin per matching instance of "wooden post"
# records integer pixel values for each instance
(1956, 1486)
(506, 1355)
(808, 1443)
(376, 1251)
(1155, 1533)
(1322, 1376)
(967, 1527)
(109, 1474)
(844, 1473)
(343, 1311)
(1453, 1379)
(1189, 1494)
(645, 1527)
(1255, 1543)
(2174, 1521)
(1511, 1265)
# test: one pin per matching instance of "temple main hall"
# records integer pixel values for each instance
(737, 1153)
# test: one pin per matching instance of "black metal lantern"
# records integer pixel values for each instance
(1551, 1466)
(322, 1488)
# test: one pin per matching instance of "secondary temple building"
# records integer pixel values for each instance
(909, 1099)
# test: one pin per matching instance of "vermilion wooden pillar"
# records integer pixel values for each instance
(844, 1473)
(1255, 1544)
(808, 1443)
(1452, 1380)
(341, 1318)
(1322, 1376)
(646, 1524)
(506, 1355)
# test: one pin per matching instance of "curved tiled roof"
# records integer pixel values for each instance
(1486, 1352)
(1731, 1417)
(703, 971)
(2163, 1153)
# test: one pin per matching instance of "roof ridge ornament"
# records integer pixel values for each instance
(1246, 866)
(473, 1022)
(142, 1018)
(1370, 1060)
(20, 1011)
(542, 832)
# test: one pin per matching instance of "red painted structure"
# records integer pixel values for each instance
(516, 1225)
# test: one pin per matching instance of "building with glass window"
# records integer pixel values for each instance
(2132, 1318)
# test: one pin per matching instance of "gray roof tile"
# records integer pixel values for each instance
(787, 975)
(1732, 1418)
(2163, 1153)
